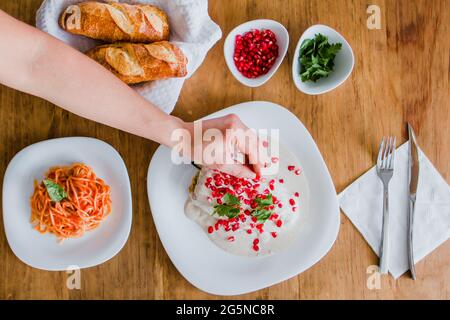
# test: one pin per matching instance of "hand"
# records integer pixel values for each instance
(236, 153)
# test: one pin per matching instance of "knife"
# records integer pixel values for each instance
(413, 165)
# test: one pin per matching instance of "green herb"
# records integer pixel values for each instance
(261, 213)
(54, 190)
(230, 207)
(317, 58)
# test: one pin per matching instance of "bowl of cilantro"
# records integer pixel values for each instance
(323, 60)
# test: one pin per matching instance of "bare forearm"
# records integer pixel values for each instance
(69, 79)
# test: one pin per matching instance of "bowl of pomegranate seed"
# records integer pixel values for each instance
(254, 50)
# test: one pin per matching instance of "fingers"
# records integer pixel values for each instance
(237, 170)
(247, 142)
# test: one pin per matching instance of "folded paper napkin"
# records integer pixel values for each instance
(191, 29)
(362, 202)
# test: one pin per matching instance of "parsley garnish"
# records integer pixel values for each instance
(261, 212)
(317, 58)
(230, 207)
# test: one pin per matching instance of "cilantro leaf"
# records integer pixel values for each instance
(261, 213)
(317, 58)
(230, 207)
(55, 191)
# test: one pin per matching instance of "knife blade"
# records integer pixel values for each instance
(413, 165)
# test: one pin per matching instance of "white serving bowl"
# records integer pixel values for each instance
(343, 67)
(282, 42)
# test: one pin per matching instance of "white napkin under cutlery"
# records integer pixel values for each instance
(362, 202)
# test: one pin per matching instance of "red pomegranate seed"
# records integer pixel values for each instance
(297, 194)
(216, 226)
(208, 180)
(291, 202)
(254, 219)
(298, 172)
(235, 226)
(274, 234)
(230, 239)
(256, 248)
(255, 242)
(279, 223)
(291, 168)
(210, 229)
(294, 209)
(249, 231)
(280, 205)
(281, 180)
(219, 201)
(265, 144)
(271, 187)
(247, 212)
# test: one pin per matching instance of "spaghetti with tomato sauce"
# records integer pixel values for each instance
(85, 204)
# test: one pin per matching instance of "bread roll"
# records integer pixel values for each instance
(112, 22)
(135, 63)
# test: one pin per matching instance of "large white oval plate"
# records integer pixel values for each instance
(43, 251)
(215, 271)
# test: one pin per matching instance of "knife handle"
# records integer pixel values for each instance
(412, 269)
(384, 253)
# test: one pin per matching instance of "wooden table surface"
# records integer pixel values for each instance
(401, 74)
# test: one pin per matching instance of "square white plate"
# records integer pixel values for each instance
(215, 271)
(43, 251)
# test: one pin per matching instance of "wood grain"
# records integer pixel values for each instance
(401, 74)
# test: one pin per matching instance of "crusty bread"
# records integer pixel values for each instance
(113, 22)
(135, 63)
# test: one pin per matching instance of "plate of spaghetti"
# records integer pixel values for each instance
(67, 203)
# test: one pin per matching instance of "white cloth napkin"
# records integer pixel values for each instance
(362, 202)
(191, 29)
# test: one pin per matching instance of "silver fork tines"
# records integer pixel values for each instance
(385, 170)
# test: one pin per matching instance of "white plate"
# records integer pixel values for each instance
(43, 251)
(282, 42)
(214, 270)
(343, 67)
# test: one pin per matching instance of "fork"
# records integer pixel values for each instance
(385, 171)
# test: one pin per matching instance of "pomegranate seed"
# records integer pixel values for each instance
(208, 180)
(265, 144)
(291, 168)
(235, 226)
(291, 202)
(254, 219)
(255, 242)
(210, 229)
(256, 248)
(255, 53)
(280, 205)
(249, 231)
(294, 209)
(298, 172)
(274, 234)
(216, 226)
(247, 212)
(279, 223)
(271, 187)
(281, 181)
(274, 159)
(297, 194)
(219, 201)
(230, 239)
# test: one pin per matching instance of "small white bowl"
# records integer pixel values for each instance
(282, 42)
(343, 67)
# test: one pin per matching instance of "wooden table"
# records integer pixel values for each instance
(401, 74)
